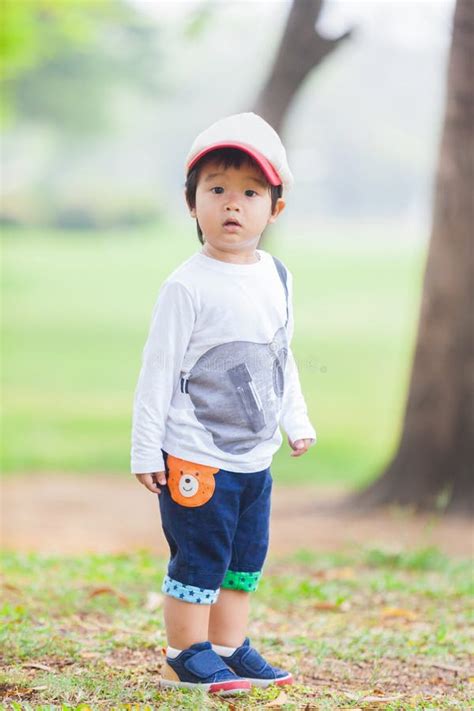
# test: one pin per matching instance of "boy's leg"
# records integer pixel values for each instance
(193, 663)
(249, 551)
(199, 529)
(186, 623)
(228, 619)
(199, 532)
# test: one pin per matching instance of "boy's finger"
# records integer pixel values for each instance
(299, 447)
(158, 478)
(153, 487)
(297, 453)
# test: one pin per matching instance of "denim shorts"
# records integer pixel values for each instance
(216, 523)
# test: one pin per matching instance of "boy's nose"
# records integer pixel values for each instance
(232, 201)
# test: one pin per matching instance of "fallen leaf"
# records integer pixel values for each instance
(328, 606)
(16, 689)
(436, 680)
(335, 574)
(38, 665)
(90, 655)
(105, 590)
(281, 699)
(445, 667)
(10, 586)
(371, 697)
(390, 612)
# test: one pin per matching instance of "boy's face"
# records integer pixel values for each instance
(225, 194)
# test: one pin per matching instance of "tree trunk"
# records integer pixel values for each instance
(301, 49)
(434, 464)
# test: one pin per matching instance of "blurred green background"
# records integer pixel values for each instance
(77, 312)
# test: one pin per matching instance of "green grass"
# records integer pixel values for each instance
(352, 627)
(76, 314)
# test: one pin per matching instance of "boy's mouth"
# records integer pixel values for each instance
(232, 221)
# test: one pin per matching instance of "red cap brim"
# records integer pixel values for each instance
(267, 168)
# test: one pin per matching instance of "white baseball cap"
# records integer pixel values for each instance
(252, 134)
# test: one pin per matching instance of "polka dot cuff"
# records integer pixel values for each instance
(236, 580)
(188, 593)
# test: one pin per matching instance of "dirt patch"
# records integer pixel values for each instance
(63, 513)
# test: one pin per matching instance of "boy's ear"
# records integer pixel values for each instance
(279, 207)
(192, 210)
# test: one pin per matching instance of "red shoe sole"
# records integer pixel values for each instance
(282, 682)
(229, 686)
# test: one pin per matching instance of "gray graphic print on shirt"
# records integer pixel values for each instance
(236, 389)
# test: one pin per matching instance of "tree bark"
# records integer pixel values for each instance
(434, 464)
(301, 49)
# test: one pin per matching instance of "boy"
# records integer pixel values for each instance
(217, 378)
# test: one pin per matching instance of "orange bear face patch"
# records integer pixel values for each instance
(190, 484)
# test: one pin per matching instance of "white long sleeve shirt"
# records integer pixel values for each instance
(218, 375)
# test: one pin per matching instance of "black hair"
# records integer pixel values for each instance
(229, 158)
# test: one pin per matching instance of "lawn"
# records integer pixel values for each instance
(76, 312)
(361, 629)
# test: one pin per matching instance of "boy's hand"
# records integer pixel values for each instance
(149, 480)
(299, 446)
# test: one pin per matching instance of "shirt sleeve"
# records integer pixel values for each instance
(171, 326)
(294, 413)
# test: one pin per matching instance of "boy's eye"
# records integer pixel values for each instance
(222, 189)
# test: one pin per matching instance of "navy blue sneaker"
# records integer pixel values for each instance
(199, 667)
(247, 663)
